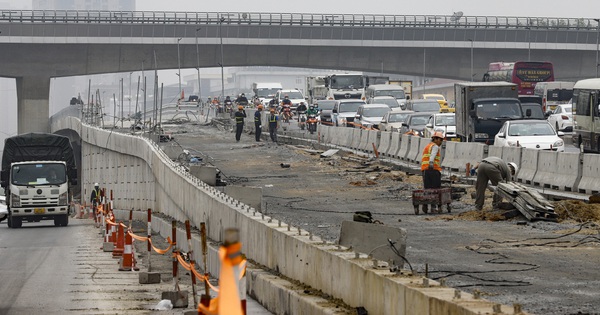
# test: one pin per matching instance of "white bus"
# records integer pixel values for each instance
(586, 115)
(554, 93)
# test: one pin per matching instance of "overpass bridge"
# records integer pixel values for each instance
(38, 45)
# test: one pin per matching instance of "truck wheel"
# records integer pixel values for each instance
(15, 222)
(65, 220)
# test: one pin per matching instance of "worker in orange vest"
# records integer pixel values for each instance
(431, 164)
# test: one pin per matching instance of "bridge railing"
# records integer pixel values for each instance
(295, 19)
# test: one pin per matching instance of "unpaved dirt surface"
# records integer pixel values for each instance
(548, 268)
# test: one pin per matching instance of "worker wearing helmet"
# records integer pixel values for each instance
(311, 110)
(273, 124)
(496, 170)
(96, 199)
(258, 122)
(240, 115)
(431, 163)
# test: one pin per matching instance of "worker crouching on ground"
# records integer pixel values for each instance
(496, 170)
(258, 122)
(273, 124)
(240, 115)
(431, 163)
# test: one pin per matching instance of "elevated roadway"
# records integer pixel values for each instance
(38, 45)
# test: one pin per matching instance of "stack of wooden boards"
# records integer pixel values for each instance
(528, 201)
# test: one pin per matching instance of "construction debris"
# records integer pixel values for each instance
(528, 201)
(329, 153)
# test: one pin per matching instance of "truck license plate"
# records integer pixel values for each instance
(455, 139)
(39, 210)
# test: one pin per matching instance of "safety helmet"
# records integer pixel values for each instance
(286, 96)
(96, 185)
(438, 134)
(240, 107)
(227, 97)
(260, 106)
(514, 167)
(243, 94)
(311, 106)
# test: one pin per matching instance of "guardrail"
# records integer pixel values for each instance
(297, 19)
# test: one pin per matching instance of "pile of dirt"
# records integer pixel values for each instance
(577, 210)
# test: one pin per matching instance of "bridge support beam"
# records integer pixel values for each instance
(33, 111)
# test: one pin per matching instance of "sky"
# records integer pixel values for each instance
(537, 8)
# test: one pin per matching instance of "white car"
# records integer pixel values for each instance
(392, 121)
(444, 123)
(3, 208)
(531, 134)
(561, 117)
(370, 115)
(344, 112)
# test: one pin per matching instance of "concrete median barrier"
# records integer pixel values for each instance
(528, 167)
(590, 179)
(385, 143)
(545, 166)
(355, 138)
(364, 140)
(404, 149)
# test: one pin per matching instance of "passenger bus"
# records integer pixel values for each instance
(554, 93)
(586, 115)
(525, 74)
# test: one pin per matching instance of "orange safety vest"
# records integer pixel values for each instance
(437, 164)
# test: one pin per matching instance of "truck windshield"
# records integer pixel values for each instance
(38, 174)
(499, 109)
(266, 92)
(347, 82)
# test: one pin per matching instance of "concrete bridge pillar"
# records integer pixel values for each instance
(33, 110)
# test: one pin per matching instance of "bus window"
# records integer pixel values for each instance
(583, 103)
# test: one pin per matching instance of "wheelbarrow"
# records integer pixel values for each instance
(432, 196)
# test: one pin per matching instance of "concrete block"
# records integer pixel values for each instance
(251, 196)
(149, 277)
(108, 246)
(178, 298)
(528, 167)
(384, 142)
(590, 180)
(205, 173)
(372, 239)
(404, 147)
(544, 176)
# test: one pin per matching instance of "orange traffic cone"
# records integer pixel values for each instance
(118, 250)
(128, 261)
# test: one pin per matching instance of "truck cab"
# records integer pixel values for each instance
(490, 114)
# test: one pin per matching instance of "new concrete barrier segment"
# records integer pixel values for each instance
(323, 266)
(590, 179)
(528, 167)
(404, 148)
(394, 145)
(384, 143)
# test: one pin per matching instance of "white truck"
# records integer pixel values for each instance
(38, 170)
(345, 86)
(265, 91)
(483, 107)
(315, 89)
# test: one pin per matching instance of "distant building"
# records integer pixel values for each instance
(104, 5)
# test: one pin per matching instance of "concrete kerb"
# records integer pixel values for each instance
(528, 167)
(590, 179)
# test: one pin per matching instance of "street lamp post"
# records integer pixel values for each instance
(471, 59)
(528, 43)
(221, 20)
(198, 67)
(597, 34)
(179, 67)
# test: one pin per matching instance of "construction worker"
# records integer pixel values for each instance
(431, 163)
(273, 124)
(96, 198)
(240, 115)
(258, 122)
(492, 169)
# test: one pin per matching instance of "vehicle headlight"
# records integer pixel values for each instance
(558, 143)
(512, 143)
(63, 199)
(15, 200)
(481, 135)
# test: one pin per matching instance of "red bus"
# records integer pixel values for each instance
(525, 74)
